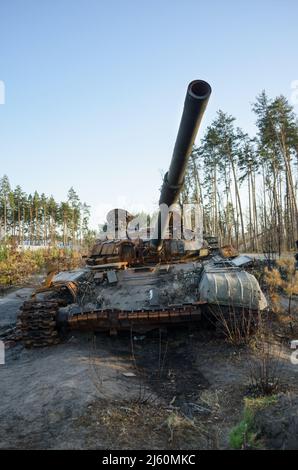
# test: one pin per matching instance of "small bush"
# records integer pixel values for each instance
(265, 364)
(245, 435)
(235, 324)
(283, 279)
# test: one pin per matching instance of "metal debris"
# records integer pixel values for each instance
(242, 260)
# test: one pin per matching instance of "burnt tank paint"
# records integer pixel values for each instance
(231, 287)
(132, 282)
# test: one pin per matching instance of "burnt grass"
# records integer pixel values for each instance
(186, 391)
(168, 365)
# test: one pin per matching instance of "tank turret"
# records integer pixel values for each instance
(196, 100)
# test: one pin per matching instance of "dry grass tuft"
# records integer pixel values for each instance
(16, 267)
(282, 281)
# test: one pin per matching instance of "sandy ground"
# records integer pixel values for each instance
(177, 389)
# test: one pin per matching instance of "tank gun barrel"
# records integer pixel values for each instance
(197, 96)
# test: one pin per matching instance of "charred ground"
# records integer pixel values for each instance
(178, 388)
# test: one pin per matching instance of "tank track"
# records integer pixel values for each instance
(10, 335)
(38, 323)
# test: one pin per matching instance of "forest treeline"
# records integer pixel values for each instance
(247, 185)
(37, 219)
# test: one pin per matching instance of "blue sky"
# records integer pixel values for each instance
(95, 89)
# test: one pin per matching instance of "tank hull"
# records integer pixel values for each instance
(138, 299)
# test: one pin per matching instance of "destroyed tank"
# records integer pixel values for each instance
(142, 283)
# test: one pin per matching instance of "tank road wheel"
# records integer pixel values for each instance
(38, 323)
